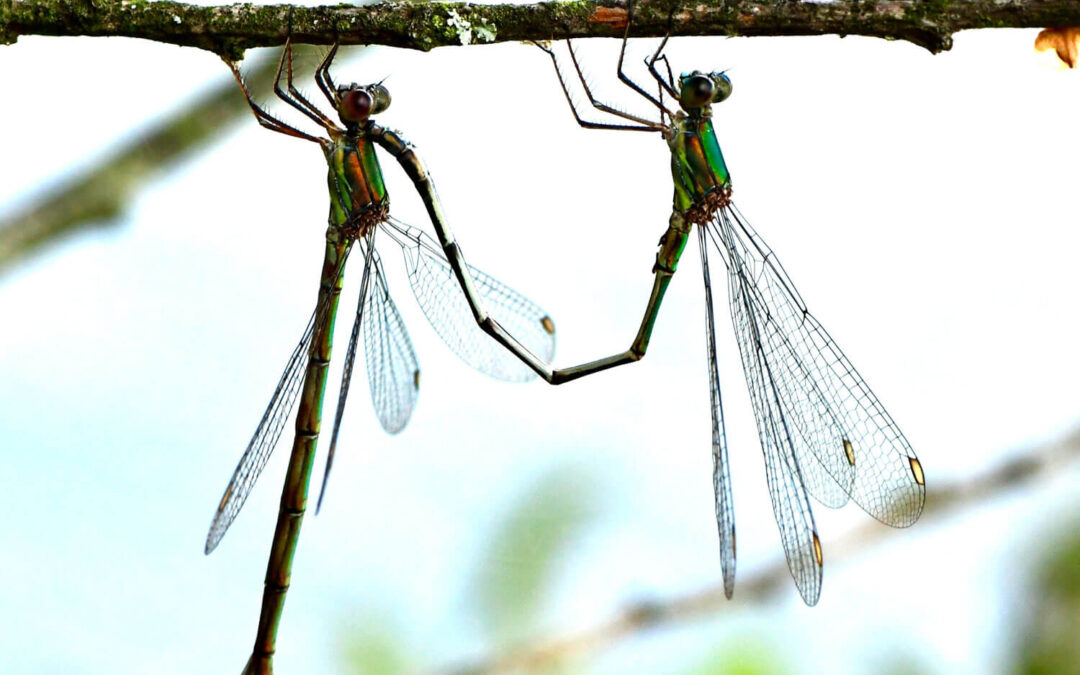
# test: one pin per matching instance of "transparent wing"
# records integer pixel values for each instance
(725, 507)
(393, 371)
(787, 492)
(817, 440)
(446, 308)
(268, 432)
(841, 437)
(350, 360)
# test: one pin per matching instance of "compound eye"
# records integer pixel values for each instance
(356, 105)
(380, 98)
(723, 87)
(697, 91)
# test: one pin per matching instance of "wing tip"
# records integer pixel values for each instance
(808, 581)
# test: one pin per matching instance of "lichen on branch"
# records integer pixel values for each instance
(230, 29)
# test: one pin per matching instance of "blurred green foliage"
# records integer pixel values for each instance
(749, 655)
(515, 574)
(1051, 640)
(375, 646)
(905, 663)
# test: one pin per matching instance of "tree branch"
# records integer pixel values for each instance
(229, 29)
(695, 605)
(97, 197)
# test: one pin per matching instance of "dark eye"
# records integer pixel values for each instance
(697, 90)
(356, 105)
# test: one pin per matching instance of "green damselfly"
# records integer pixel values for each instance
(451, 294)
(822, 430)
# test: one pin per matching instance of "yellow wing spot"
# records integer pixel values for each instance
(416, 379)
(850, 452)
(225, 498)
(817, 549)
(548, 324)
(916, 470)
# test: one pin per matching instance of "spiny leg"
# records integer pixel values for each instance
(266, 119)
(573, 108)
(651, 62)
(663, 114)
(664, 119)
(294, 97)
(603, 107)
(670, 76)
(622, 54)
(322, 76)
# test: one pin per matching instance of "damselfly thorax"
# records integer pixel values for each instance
(702, 181)
(358, 199)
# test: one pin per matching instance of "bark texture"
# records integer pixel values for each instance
(229, 29)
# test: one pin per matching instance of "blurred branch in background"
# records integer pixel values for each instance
(641, 616)
(229, 29)
(97, 197)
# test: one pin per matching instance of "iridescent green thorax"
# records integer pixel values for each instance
(702, 182)
(358, 199)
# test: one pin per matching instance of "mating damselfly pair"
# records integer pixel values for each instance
(823, 432)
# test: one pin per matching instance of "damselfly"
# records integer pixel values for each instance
(822, 430)
(359, 210)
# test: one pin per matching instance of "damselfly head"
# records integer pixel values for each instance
(698, 89)
(356, 103)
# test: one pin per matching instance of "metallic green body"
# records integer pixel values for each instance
(702, 184)
(697, 165)
(701, 181)
(355, 180)
(358, 200)
(294, 495)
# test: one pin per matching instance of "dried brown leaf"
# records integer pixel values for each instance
(1065, 41)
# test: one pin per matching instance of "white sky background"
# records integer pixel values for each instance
(923, 204)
